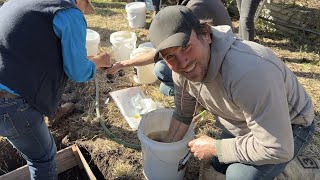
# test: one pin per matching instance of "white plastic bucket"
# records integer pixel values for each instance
(123, 43)
(146, 44)
(92, 42)
(143, 74)
(136, 14)
(161, 160)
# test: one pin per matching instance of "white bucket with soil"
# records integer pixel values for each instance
(123, 43)
(143, 74)
(136, 12)
(162, 160)
(92, 42)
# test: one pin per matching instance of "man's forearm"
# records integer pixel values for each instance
(176, 132)
(139, 60)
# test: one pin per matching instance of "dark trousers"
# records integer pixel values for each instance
(156, 4)
(301, 136)
(247, 10)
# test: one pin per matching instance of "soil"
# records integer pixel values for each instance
(111, 160)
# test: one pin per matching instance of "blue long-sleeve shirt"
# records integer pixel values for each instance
(70, 26)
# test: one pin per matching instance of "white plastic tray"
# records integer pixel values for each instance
(122, 98)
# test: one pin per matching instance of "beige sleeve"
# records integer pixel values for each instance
(264, 104)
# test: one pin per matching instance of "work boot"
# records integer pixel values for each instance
(62, 111)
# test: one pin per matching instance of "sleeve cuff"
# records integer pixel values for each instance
(218, 148)
(184, 120)
(228, 151)
(94, 70)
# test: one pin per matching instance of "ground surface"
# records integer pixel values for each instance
(110, 160)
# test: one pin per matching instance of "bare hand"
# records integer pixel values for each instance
(203, 147)
(102, 60)
(115, 68)
(176, 132)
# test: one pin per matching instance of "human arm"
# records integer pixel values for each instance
(176, 131)
(183, 112)
(70, 27)
(203, 147)
(139, 60)
(261, 95)
(102, 60)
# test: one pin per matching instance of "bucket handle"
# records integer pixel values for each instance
(132, 18)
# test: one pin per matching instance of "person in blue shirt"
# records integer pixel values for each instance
(42, 44)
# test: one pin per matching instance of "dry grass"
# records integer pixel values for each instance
(118, 162)
(107, 22)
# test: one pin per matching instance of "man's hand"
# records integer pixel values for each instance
(115, 68)
(102, 60)
(203, 147)
(176, 131)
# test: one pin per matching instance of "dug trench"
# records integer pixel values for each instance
(11, 160)
(73, 129)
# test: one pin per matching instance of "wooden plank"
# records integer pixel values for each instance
(20, 173)
(77, 156)
(85, 165)
(65, 160)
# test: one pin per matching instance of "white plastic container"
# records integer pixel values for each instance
(146, 44)
(143, 74)
(122, 98)
(92, 42)
(161, 160)
(123, 43)
(136, 14)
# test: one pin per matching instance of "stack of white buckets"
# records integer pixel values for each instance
(92, 42)
(136, 14)
(123, 43)
(124, 48)
(143, 74)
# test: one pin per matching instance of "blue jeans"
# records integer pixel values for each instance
(301, 136)
(247, 10)
(25, 129)
(156, 4)
(164, 74)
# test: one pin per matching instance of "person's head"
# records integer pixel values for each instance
(182, 41)
(85, 6)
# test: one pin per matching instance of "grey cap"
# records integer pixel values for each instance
(172, 27)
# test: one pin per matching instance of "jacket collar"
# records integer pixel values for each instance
(222, 39)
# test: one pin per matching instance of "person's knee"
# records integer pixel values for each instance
(240, 171)
(51, 154)
(51, 151)
(160, 70)
(54, 150)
